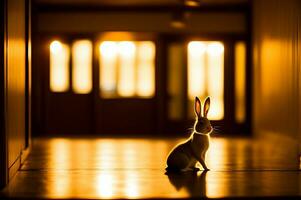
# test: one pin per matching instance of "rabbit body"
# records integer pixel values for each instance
(185, 155)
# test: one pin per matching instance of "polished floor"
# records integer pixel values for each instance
(93, 168)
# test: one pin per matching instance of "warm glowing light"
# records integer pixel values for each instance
(60, 159)
(217, 158)
(146, 69)
(126, 78)
(127, 68)
(206, 75)
(59, 66)
(107, 168)
(192, 3)
(196, 69)
(215, 48)
(82, 66)
(132, 186)
(55, 47)
(105, 185)
(107, 73)
(215, 74)
(240, 81)
(196, 48)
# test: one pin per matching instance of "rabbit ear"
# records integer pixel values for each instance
(197, 107)
(206, 106)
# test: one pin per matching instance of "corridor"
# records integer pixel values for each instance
(95, 94)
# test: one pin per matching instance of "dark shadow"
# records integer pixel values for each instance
(194, 182)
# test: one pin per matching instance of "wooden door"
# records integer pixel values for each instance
(122, 92)
(66, 94)
(126, 98)
(202, 67)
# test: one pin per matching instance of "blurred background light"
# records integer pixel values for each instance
(82, 66)
(59, 66)
(206, 75)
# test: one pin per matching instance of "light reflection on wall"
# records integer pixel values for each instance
(206, 75)
(127, 68)
(82, 66)
(240, 81)
(59, 66)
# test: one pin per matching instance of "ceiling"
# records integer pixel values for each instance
(127, 3)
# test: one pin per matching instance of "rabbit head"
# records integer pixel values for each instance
(202, 124)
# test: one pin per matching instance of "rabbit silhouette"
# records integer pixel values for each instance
(185, 155)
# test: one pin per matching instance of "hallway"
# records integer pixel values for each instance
(94, 94)
(94, 168)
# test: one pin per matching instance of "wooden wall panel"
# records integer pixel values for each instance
(276, 69)
(15, 82)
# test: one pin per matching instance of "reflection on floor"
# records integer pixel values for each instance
(134, 168)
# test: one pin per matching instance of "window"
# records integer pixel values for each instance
(59, 66)
(206, 75)
(82, 66)
(127, 68)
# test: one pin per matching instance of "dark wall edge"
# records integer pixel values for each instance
(3, 139)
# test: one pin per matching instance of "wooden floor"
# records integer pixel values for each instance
(95, 168)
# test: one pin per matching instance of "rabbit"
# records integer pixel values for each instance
(185, 155)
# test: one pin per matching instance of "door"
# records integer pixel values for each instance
(66, 92)
(126, 98)
(202, 67)
(100, 85)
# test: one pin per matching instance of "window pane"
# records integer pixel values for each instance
(240, 81)
(126, 74)
(82, 66)
(146, 69)
(127, 69)
(206, 75)
(107, 69)
(215, 77)
(196, 69)
(59, 66)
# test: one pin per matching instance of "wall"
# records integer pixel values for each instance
(2, 113)
(276, 61)
(15, 83)
(87, 22)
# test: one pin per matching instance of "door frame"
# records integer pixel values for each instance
(228, 124)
